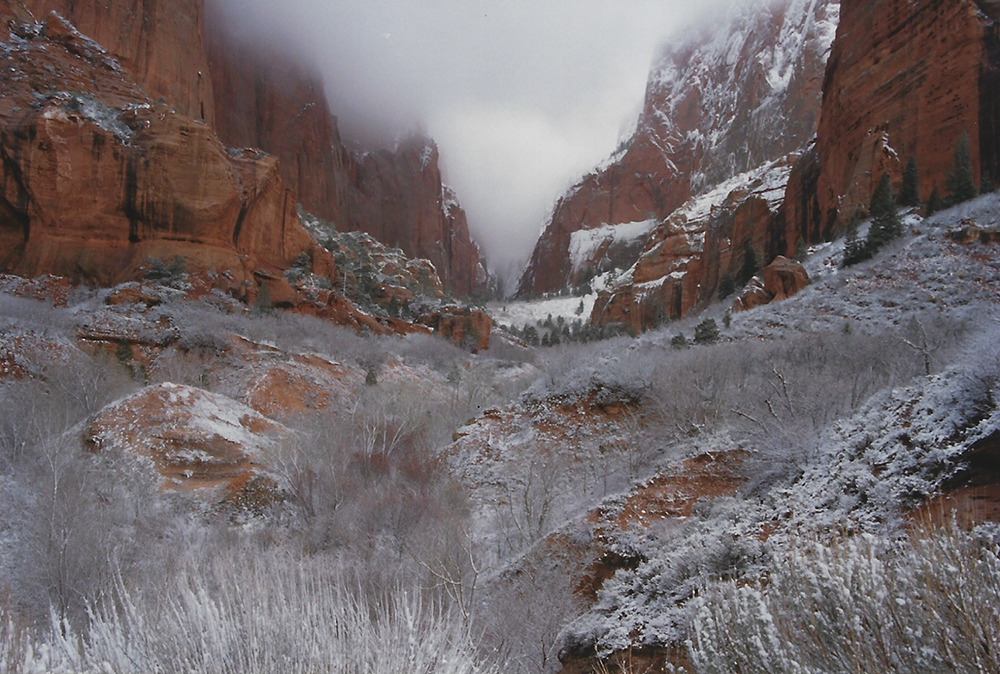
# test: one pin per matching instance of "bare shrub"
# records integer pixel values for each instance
(855, 605)
(260, 612)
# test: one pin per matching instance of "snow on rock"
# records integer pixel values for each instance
(718, 102)
(588, 245)
(195, 438)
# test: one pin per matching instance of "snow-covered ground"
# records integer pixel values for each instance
(520, 313)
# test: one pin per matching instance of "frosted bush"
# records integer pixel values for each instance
(854, 606)
(268, 613)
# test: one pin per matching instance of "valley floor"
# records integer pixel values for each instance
(193, 486)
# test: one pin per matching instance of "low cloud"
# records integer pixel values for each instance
(522, 97)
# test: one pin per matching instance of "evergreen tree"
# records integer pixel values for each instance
(910, 194)
(855, 250)
(706, 332)
(961, 186)
(885, 221)
(986, 185)
(934, 204)
(679, 341)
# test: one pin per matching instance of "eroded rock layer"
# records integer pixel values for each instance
(95, 183)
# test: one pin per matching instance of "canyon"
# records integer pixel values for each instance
(891, 82)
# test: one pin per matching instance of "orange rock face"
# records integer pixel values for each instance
(905, 79)
(779, 280)
(465, 327)
(271, 101)
(401, 201)
(96, 183)
(158, 42)
(253, 95)
(715, 107)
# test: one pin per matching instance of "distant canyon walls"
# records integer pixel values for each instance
(180, 52)
(815, 99)
(717, 105)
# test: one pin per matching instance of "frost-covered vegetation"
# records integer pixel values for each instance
(441, 511)
(926, 604)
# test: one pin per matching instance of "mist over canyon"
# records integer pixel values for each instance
(522, 98)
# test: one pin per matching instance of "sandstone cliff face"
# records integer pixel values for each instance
(904, 79)
(715, 107)
(158, 42)
(399, 199)
(94, 183)
(274, 102)
(271, 101)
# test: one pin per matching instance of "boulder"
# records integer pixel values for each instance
(196, 440)
(777, 281)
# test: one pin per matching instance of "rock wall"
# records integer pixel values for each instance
(399, 198)
(272, 101)
(905, 79)
(95, 183)
(720, 104)
(158, 42)
(253, 95)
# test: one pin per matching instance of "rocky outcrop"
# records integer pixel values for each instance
(777, 281)
(701, 248)
(715, 106)
(465, 327)
(905, 79)
(199, 442)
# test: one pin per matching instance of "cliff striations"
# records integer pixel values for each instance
(904, 79)
(95, 183)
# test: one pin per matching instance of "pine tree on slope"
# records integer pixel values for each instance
(885, 221)
(855, 250)
(909, 195)
(961, 186)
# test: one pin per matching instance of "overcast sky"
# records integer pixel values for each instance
(522, 96)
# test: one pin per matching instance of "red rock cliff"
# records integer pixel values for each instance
(715, 106)
(270, 100)
(94, 183)
(158, 42)
(253, 95)
(399, 198)
(904, 78)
